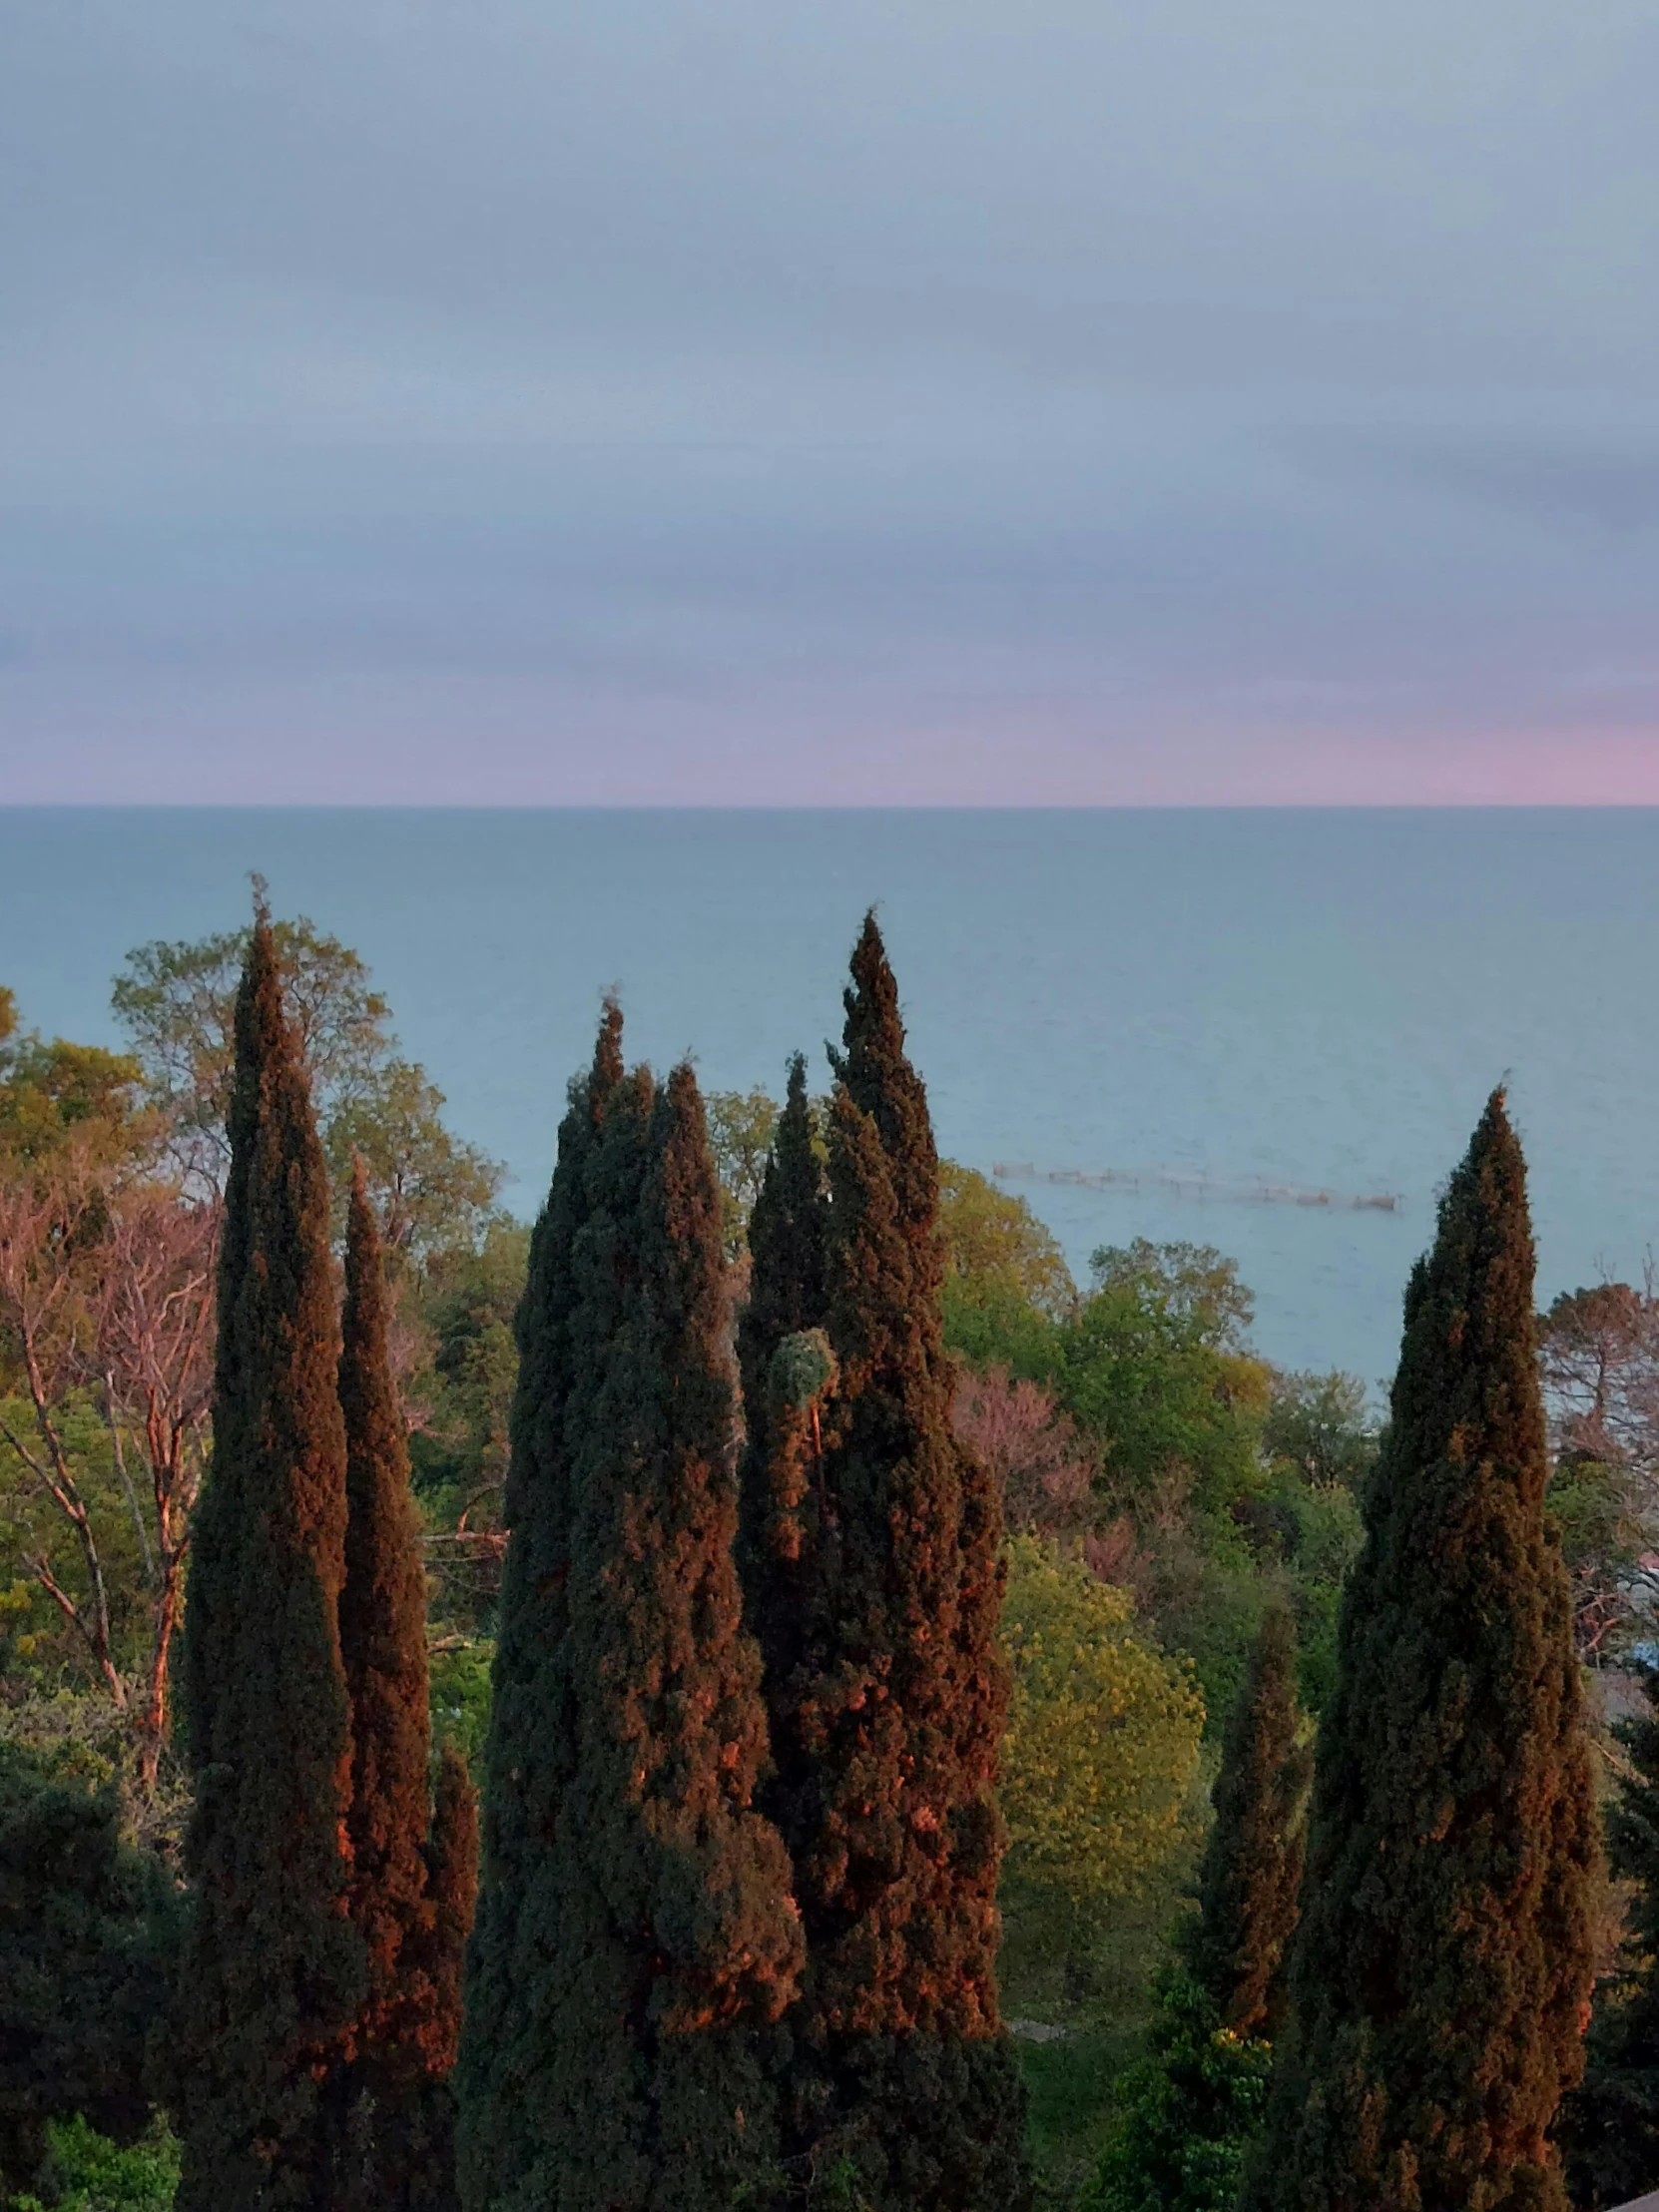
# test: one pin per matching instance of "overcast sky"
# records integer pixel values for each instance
(1047, 400)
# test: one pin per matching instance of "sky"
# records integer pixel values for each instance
(906, 401)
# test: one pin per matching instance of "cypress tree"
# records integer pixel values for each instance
(664, 1937)
(395, 2145)
(422, 2164)
(271, 1970)
(1237, 1948)
(452, 1891)
(1612, 2121)
(1442, 1968)
(1189, 2110)
(783, 1397)
(530, 1757)
(894, 1714)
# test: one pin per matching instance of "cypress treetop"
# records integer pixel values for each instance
(781, 1403)
(787, 1229)
(889, 1724)
(1442, 1968)
(881, 1082)
(532, 1748)
(651, 1930)
(1236, 1948)
(271, 1972)
(680, 1937)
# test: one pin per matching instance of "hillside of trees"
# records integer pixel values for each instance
(759, 1687)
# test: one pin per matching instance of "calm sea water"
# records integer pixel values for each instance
(1308, 1000)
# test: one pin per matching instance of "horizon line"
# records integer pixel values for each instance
(829, 807)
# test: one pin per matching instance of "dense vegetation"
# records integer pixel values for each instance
(871, 1640)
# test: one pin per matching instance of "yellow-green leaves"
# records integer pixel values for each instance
(1103, 1735)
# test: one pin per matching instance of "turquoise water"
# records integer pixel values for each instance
(1318, 1002)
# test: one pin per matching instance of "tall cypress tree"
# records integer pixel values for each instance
(396, 2147)
(530, 1758)
(783, 1394)
(1611, 2126)
(664, 1937)
(1238, 1946)
(1442, 1970)
(895, 1711)
(271, 1970)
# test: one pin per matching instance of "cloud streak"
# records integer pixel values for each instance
(530, 402)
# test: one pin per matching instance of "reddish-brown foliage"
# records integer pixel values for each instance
(1043, 1468)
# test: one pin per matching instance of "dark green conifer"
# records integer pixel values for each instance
(664, 1935)
(1189, 2110)
(88, 1928)
(1238, 1946)
(452, 1891)
(894, 1714)
(782, 1397)
(1442, 1968)
(530, 1757)
(425, 2113)
(272, 1971)
(1611, 2126)
(394, 2147)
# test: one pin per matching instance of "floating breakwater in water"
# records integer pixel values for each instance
(1255, 1191)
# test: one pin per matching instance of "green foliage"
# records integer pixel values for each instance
(53, 1094)
(86, 1929)
(1071, 2081)
(460, 1398)
(1103, 1735)
(995, 1246)
(87, 2173)
(995, 1326)
(461, 1695)
(1320, 1424)
(1307, 1536)
(1597, 1508)
(1611, 2121)
(742, 1126)
(177, 1002)
(1437, 2006)
(1156, 1364)
(1188, 2112)
(46, 1652)
(1006, 1286)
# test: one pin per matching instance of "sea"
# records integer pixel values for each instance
(1267, 1031)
